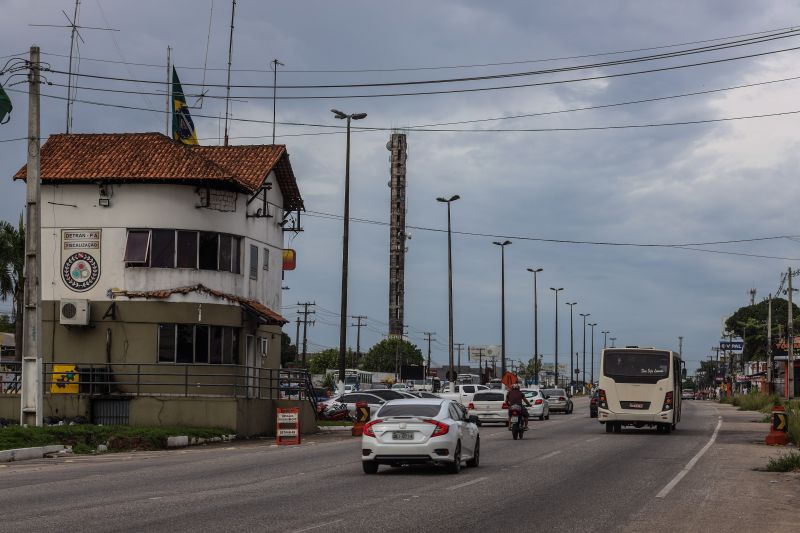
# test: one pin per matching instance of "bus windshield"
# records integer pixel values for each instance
(636, 367)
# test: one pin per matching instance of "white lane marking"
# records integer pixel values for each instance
(155, 498)
(467, 484)
(669, 486)
(318, 526)
(549, 455)
(594, 439)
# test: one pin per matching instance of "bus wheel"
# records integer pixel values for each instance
(609, 427)
(617, 428)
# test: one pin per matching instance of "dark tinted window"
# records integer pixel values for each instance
(489, 397)
(163, 248)
(208, 251)
(215, 351)
(253, 261)
(166, 343)
(636, 367)
(185, 345)
(187, 249)
(201, 344)
(236, 256)
(136, 247)
(554, 392)
(409, 409)
(225, 253)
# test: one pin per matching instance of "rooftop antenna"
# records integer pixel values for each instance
(73, 24)
(275, 64)
(228, 84)
(203, 91)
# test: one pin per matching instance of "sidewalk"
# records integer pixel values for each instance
(730, 489)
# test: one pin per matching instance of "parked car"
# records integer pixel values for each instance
(463, 393)
(420, 431)
(388, 394)
(593, 404)
(559, 400)
(401, 387)
(687, 394)
(540, 407)
(350, 399)
(488, 407)
(423, 394)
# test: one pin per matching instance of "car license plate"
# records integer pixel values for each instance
(636, 405)
(402, 435)
(514, 419)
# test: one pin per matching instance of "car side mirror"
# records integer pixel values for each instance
(546, 397)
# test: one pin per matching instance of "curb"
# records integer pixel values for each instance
(182, 441)
(333, 429)
(22, 454)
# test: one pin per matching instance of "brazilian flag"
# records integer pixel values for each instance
(5, 106)
(182, 125)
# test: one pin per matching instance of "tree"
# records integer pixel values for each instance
(750, 323)
(12, 280)
(386, 355)
(322, 361)
(288, 350)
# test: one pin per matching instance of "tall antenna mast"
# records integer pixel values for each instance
(228, 85)
(397, 234)
(275, 64)
(74, 27)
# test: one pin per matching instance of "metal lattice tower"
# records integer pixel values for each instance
(397, 234)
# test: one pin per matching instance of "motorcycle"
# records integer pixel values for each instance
(516, 421)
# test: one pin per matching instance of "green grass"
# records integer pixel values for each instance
(793, 421)
(334, 423)
(84, 438)
(756, 401)
(785, 463)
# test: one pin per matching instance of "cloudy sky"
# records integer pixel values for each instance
(572, 176)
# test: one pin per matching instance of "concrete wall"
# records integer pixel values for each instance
(9, 407)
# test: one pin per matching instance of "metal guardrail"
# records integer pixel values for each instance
(142, 379)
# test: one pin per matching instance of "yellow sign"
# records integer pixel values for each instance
(780, 419)
(65, 380)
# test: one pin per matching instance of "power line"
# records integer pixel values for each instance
(446, 67)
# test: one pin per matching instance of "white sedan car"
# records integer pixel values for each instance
(420, 431)
(488, 406)
(540, 407)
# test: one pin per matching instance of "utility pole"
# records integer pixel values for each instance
(592, 370)
(429, 337)
(612, 341)
(790, 338)
(31, 399)
(769, 347)
(680, 347)
(297, 341)
(397, 233)
(480, 362)
(458, 346)
(359, 325)
(584, 315)
(305, 312)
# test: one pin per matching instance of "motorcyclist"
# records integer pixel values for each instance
(516, 397)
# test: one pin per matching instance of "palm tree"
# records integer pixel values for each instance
(12, 279)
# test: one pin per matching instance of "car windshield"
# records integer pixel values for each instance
(554, 392)
(387, 394)
(488, 397)
(409, 409)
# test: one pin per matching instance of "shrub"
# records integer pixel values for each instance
(756, 401)
(793, 421)
(784, 463)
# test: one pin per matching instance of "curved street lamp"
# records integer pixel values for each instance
(502, 246)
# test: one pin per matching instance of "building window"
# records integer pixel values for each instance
(253, 261)
(137, 246)
(163, 248)
(209, 251)
(266, 258)
(198, 343)
(187, 249)
(225, 253)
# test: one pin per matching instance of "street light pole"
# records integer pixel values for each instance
(605, 338)
(612, 341)
(592, 372)
(535, 325)
(556, 293)
(451, 378)
(345, 246)
(583, 367)
(571, 345)
(502, 246)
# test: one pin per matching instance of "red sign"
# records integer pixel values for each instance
(289, 259)
(288, 425)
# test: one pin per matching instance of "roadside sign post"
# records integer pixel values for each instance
(778, 431)
(288, 422)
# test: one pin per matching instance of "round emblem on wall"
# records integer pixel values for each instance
(80, 272)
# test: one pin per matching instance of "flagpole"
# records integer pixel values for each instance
(167, 131)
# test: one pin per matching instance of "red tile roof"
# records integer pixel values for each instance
(155, 158)
(248, 304)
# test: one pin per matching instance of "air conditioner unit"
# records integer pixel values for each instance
(74, 312)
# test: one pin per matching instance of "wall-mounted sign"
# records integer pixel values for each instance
(65, 380)
(80, 258)
(289, 259)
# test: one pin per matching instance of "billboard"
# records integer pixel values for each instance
(484, 353)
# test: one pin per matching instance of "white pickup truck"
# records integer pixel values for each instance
(463, 393)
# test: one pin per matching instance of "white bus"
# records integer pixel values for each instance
(639, 387)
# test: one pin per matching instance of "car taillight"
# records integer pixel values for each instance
(368, 427)
(562, 399)
(601, 398)
(538, 402)
(440, 430)
(667, 402)
(471, 406)
(505, 405)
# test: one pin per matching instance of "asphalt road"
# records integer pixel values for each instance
(567, 474)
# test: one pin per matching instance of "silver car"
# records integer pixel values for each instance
(540, 407)
(420, 431)
(558, 399)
